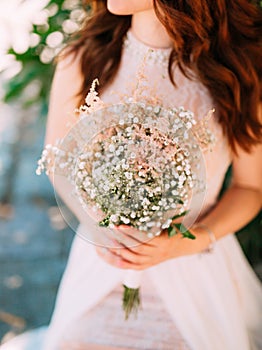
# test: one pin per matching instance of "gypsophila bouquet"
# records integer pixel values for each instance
(134, 174)
(134, 164)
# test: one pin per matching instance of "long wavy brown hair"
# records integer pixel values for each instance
(218, 40)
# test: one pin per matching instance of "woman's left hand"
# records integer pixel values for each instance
(142, 255)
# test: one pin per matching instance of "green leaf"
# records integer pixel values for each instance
(185, 232)
(189, 235)
(180, 215)
(171, 231)
(178, 200)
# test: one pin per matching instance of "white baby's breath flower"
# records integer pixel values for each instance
(128, 175)
(114, 218)
(155, 207)
(166, 224)
(111, 148)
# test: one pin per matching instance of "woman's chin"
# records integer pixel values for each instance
(128, 7)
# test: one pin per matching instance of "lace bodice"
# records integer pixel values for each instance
(191, 94)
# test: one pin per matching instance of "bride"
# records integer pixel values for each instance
(199, 54)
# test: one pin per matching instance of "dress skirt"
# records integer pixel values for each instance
(213, 299)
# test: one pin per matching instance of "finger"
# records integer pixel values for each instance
(142, 249)
(118, 261)
(117, 239)
(122, 238)
(130, 256)
(137, 236)
(125, 265)
(108, 256)
(154, 243)
(113, 241)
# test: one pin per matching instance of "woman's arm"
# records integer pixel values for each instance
(63, 98)
(242, 201)
(63, 101)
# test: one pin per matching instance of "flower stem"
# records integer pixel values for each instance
(131, 300)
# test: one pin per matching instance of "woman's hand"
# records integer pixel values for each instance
(141, 255)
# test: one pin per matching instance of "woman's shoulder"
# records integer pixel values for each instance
(68, 63)
(68, 77)
(64, 96)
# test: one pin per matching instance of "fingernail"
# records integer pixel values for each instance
(122, 226)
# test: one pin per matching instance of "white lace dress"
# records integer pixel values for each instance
(200, 302)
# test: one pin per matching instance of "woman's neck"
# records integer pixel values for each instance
(147, 28)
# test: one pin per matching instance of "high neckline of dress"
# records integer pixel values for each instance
(152, 55)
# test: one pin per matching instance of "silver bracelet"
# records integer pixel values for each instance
(211, 235)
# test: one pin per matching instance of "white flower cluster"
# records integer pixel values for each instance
(132, 172)
(56, 160)
(134, 175)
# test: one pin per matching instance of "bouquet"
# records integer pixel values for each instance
(135, 164)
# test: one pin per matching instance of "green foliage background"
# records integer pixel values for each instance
(33, 69)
